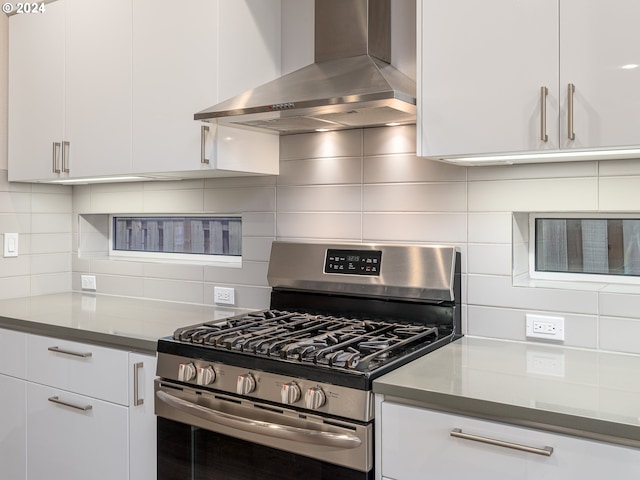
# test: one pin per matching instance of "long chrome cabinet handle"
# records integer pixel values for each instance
(545, 451)
(204, 129)
(56, 157)
(84, 408)
(544, 91)
(571, 90)
(297, 434)
(70, 352)
(65, 156)
(136, 384)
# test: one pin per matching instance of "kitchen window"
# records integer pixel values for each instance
(594, 247)
(193, 237)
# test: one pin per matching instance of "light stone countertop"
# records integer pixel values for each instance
(567, 390)
(117, 322)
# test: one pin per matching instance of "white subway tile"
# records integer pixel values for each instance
(173, 201)
(620, 334)
(251, 273)
(619, 193)
(407, 168)
(51, 223)
(627, 166)
(256, 249)
(379, 141)
(14, 287)
(15, 202)
(238, 200)
(51, 283)
(12, 222)
(415, 227)
(116, 285)
(334, 198)
(321, 171)
(47, 203)
(173, 290)
(489, 259)
(258, 224)
(173, 271)
(429, 197)
(534, 170)
(125, 201)
(497, 291)
(620, 304)
(489, 227)
(15, 266)
(187, 184)
(534, 195)
(49, 243)
(50, 263)
(105, 266)
(344, 143)
(246, 181)
(312, 225)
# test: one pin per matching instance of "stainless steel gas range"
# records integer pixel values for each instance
(286, 392)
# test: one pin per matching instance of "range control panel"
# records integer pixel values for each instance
(353, 262)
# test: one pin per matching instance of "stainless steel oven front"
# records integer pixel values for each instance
(209, 435)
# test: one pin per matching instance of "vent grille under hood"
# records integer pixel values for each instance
(350, 85)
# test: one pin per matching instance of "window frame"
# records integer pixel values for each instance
(601, 278)
(171, 257)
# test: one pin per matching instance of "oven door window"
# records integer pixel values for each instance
(192, 453)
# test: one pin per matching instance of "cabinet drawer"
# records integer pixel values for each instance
(416, 440)
(86, 369)
(12, 353)
(81, 438)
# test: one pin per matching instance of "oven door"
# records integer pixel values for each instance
(206, 435)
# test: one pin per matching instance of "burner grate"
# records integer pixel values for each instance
(327, 341)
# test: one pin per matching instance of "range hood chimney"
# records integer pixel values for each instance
(350, 85)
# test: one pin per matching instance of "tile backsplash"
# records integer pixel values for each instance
(352, 186)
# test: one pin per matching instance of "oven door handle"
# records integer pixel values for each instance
(286, 432)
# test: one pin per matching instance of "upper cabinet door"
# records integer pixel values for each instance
(36, 93)
(98, 87)
(481, 67)
(175, 74)
(600, 49)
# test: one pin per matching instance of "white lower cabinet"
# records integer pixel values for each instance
(13, 430)
(416, 443)
(74, 437)
(89, 412)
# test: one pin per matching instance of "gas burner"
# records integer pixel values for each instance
(326, 341)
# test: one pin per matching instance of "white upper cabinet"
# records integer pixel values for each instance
(494, 76)
(70, 90)
(175, 71)
(98, 87)
(600, 49)
(110, 87)
(481, 66)
(36, 92)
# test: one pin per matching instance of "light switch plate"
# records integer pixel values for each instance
(10, 244)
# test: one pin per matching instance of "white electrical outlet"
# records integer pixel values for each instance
(224, 295)
(545, 327)
(88, 282)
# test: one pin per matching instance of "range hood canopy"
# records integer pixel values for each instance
(350, 85)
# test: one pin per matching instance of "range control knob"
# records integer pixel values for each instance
(206, 375)
(314, 398)
(290, 393)
(186, 372)
(246, 384)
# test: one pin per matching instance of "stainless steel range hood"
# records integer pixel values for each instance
(350, 85)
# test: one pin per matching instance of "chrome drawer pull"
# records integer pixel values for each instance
(204, 130)
(136, 384)
(546, 451)
(571, 90)
(57, 400)
(544, 91)
(70, 352)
